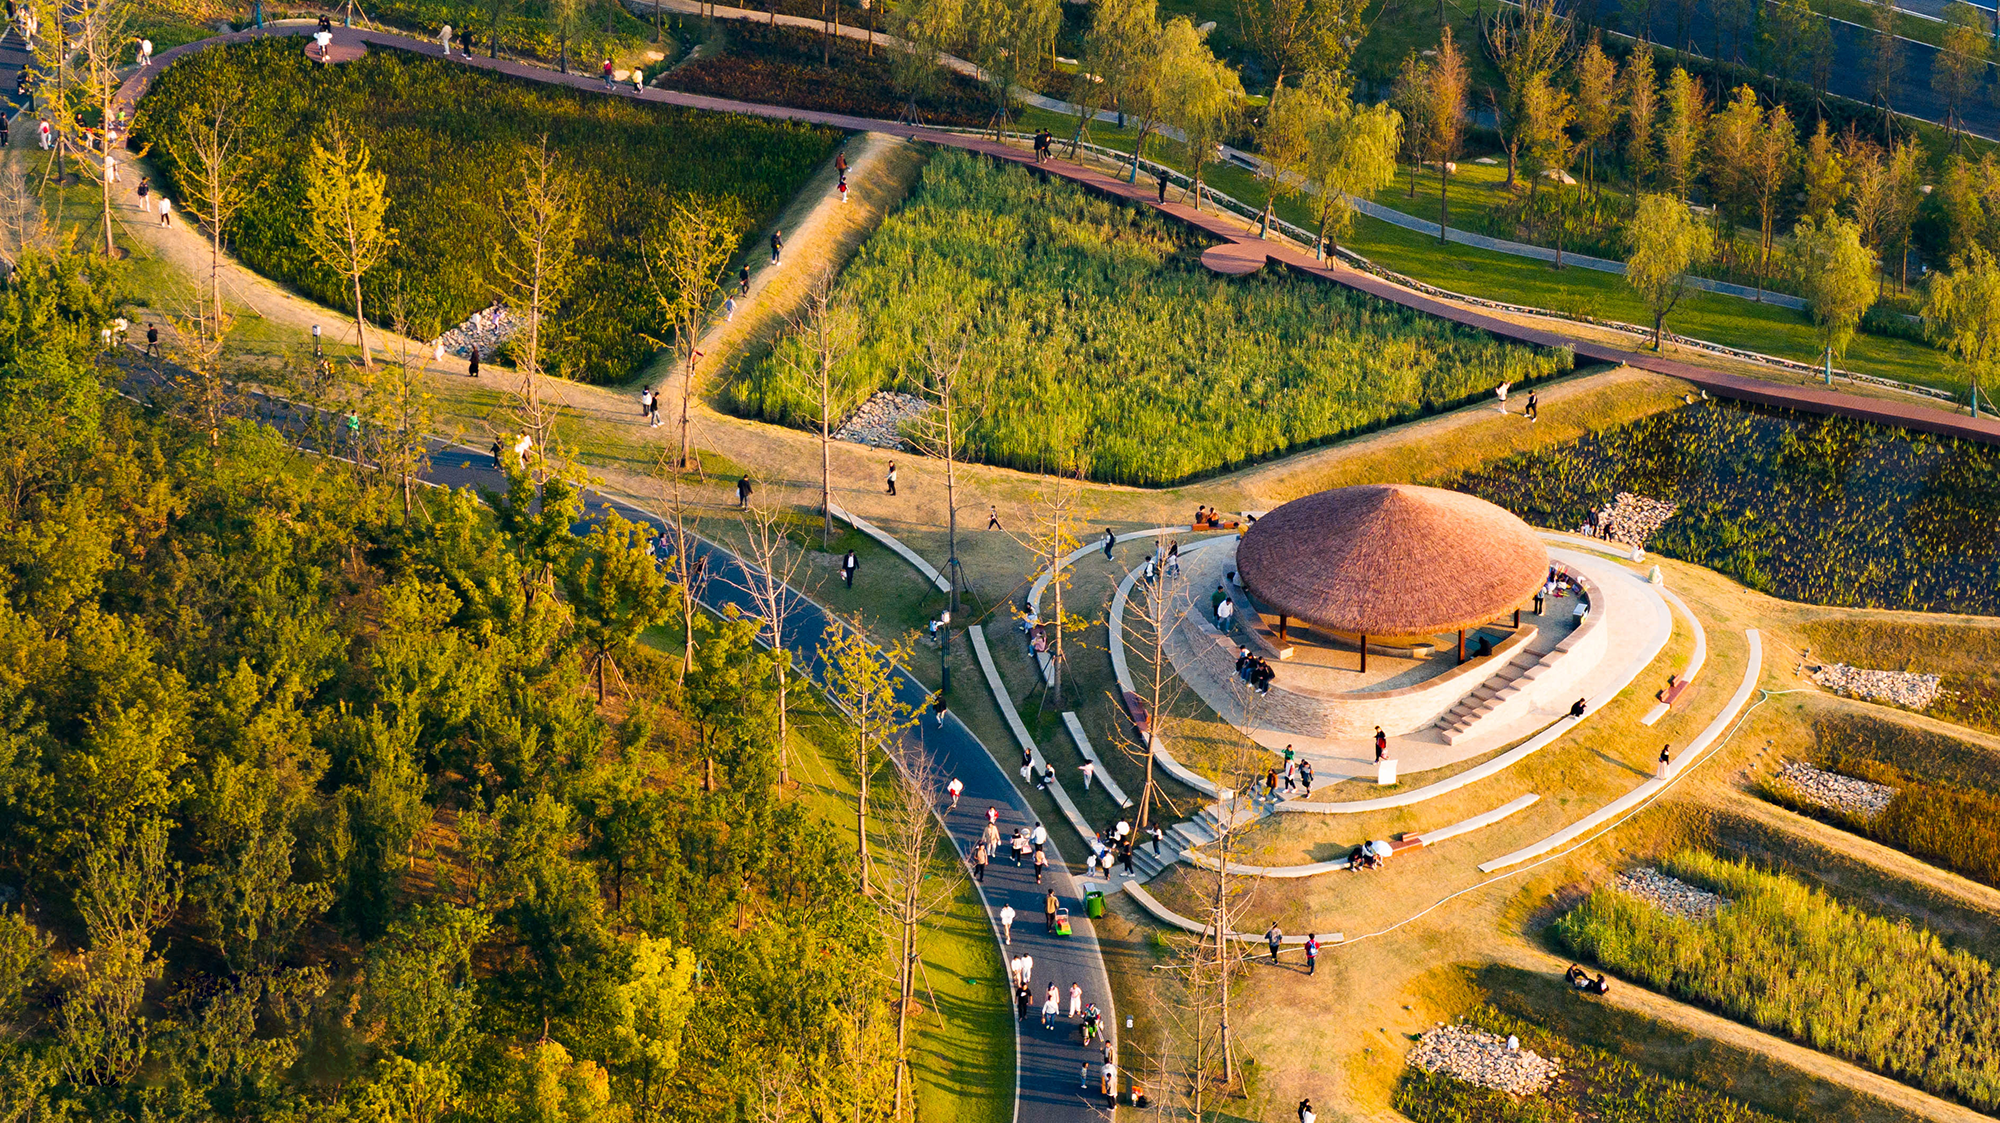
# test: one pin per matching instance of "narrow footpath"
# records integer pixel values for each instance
(1753, 390)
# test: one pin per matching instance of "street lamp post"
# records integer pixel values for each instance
(315, 341)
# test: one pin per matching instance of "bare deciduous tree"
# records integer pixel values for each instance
(688, 259)
(1153, 614)
(918, 885)
(771, 567)
(827, 328)
(536, 264)
(939, 434)
(218, 179)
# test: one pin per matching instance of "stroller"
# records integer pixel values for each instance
(1062, 922)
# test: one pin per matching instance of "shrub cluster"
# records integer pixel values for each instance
(782, 66)
(1095, 338)
(450, 140)
(1819, 509)
(1787, 958)
(1594, 1087)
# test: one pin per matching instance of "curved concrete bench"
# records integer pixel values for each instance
(1418, 839)
(895, 545)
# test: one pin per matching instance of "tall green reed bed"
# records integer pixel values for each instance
(1594, 1087)
(1789, 959)
(450, 140)
(1818, 509)
(1095, 338)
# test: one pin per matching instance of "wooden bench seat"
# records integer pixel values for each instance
(1676, 687)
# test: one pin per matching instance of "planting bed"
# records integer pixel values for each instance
(1787, 958)
(1584, 1084)
(450, 140)
(1808, 508)
(782, 66)
(1094, 333)
(1955, 827)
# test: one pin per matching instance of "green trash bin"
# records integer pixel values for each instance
(1093, 904)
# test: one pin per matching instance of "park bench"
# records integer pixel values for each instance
(1135, 708)
(1676, 686)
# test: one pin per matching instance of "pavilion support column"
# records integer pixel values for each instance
(1517, 619)
(1364, 653)
(1282, 622)
(1461, 645)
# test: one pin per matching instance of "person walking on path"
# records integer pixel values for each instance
(1041, 864)
(979, 863)
(777, 246)
(1312, 952)
(472, 362)
(1274, 938)
(1110, 1085)
(607, 73)
(1051, 1007)
(1089, 769)
(1534, 406)
(841, 189)
(1576, 710)
(743, 281)
(890, 479)
(653, 410)
(145, 189)
(1049, 905)
(991, 836)
(1381, 744)
(638, 81)
(956, 788)
(1007, 915)
(46, 133)
(1158, 834)
(840, 162)
(166, 211)
(1664, 758)
(1163, 186)
(1076, 1000)
(1125, 856)
(1306, 1112)
(1022, 1000)
(743, 503)
(1110, 540)
(1040, 837)
(993, 518)
(1306, 778)
(1500, 392)
(444, 39)
(645, 401)
(145, 53)
(847, 567)
(153, 341)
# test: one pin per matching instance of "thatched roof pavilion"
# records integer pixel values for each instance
(1391, 560)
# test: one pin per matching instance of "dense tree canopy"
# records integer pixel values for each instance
(308, 809)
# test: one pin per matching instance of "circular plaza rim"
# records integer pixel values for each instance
(1391, 560)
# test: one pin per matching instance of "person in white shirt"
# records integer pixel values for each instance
(145, 51)
(166, 211)
(1076, 1000)
(1007, 915)
(1040, 836)
(956, 788)
(444, 39)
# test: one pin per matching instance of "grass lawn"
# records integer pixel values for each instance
(1727, 320)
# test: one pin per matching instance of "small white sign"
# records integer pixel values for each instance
(1385, 772)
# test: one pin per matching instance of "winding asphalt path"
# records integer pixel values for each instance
(1048, 1062)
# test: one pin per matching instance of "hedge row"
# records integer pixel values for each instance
(451, 140)
(782, 66)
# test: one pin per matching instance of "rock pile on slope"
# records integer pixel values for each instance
(1482, 1058)
(1670, 895)
(1832, 790)
(879, 421)
(1898, 688)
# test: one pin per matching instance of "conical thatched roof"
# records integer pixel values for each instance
(1391, 560)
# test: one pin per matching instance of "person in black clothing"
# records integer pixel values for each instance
(743, 492)
(1163, 187)
(777, 245)
(743, 281)
(847, 565)
(325, 22)
(1534, 407)
(1576, 710)
(472, 362)
(153, 340)
(496, 452)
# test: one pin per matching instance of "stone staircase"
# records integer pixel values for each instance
(1504, 693)
(1207, 825)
